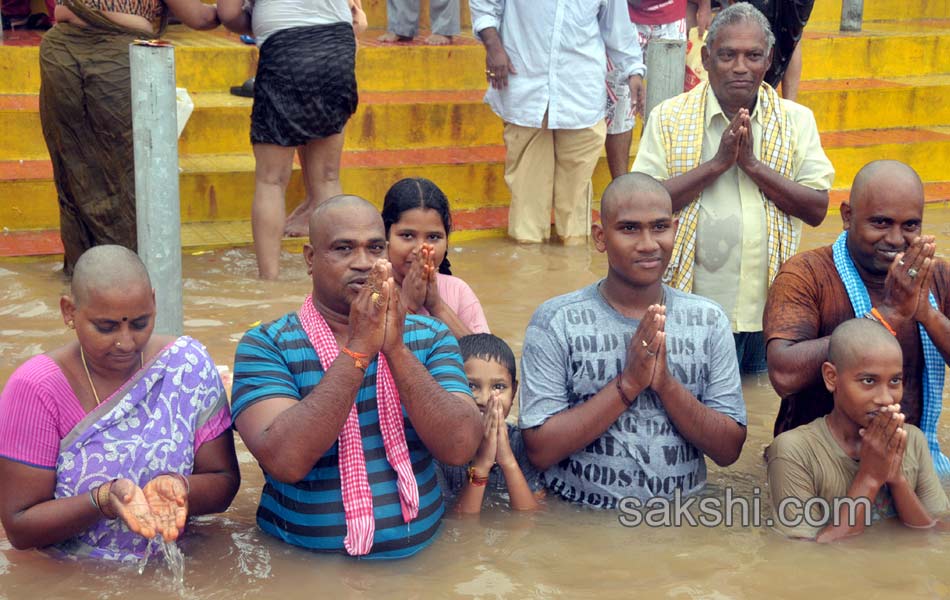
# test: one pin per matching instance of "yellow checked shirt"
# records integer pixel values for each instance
(731, 239)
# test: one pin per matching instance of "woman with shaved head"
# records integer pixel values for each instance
(118, 436)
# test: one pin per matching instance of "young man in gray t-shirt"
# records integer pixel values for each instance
(627, 383)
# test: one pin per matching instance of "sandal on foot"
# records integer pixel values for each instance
(245, 90)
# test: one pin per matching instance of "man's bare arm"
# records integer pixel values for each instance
(716, 434)
(685, 188)
(287, 436)
(234, 17)
(573, 429)
(793, 366)
(448, 423)
(790, 197)
(851, 517)
(910, 510)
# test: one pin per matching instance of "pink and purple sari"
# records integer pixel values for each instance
(153, 424)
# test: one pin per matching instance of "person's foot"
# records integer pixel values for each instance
(38, 21)
(15, 22)
(298, 223)
(437, 39)
(390, 38)
(574, 240)
(245, 90)
(525, 242)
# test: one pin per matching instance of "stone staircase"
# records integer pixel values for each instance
(880, 93)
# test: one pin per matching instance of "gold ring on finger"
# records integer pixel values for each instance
(644, 343)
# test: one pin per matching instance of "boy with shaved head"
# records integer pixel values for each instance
(629, 384)
(881, 266)
(864, 449)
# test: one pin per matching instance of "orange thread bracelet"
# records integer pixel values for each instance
(359, 359)
(880, 318)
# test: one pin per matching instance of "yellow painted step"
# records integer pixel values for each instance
(221, 122)
(220, 187)
(215, 61)
(376, 14)
(829, 11)
(880, 50)
(203, 61)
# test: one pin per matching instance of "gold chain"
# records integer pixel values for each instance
(95, 394)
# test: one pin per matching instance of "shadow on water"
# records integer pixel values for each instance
(562, 552)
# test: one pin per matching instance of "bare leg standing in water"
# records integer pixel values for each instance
(320, 161)
(271, 176)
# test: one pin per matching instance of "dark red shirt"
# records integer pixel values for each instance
(657, 12)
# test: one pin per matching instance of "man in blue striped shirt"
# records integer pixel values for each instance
(290, 409)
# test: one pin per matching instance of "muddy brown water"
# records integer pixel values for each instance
(561, 552)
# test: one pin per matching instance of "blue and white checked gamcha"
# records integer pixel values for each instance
(933, 362)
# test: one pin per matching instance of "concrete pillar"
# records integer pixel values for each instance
(157, 203)
(852, 13)
(666, 71)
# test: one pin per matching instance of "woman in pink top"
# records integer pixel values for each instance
(118, 436)
(418, 222)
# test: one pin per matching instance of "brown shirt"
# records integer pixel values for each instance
(150, 9)
(807, 301)
(808, 463)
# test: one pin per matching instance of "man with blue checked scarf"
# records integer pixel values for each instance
(881, 267)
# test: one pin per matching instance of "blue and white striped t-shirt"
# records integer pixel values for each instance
(276, 359)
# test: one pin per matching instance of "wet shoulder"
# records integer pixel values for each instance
(566, 308)
(423, 335)
(817, 260)
(916, 442)
(684, 309)
(38, 374)
(423, 326)
(799, 445)
(450, 282)
(193, 346)
(285, 333)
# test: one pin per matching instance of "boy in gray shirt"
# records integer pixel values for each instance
(628, 383)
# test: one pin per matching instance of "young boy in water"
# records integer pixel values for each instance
(501, 461)
(861, 450)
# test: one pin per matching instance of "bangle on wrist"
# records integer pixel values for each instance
(476, 479)
(180, 478)
(101, 502)
(623, 396)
